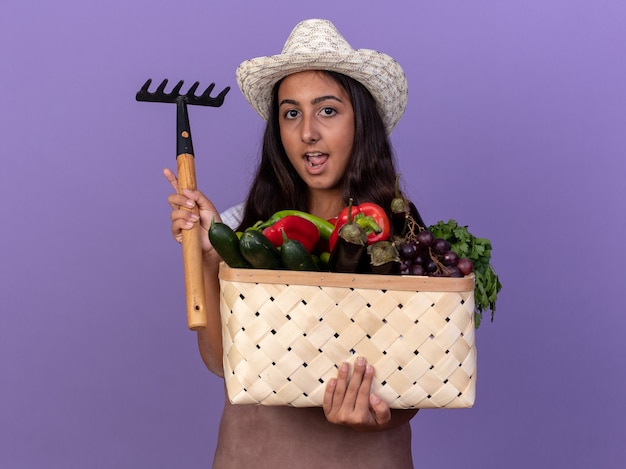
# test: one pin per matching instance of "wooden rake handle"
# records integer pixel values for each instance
(192, 250)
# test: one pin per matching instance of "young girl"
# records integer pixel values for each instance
(329, 111)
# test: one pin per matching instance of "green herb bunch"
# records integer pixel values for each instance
(478, 250)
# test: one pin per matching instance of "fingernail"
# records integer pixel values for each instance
(194, 217)
(360, 361)
(374, 399)
(345, 366)
(189, 203)
(369, 369)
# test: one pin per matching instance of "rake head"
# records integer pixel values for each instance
(160, 96)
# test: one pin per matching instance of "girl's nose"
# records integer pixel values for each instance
(309, 132)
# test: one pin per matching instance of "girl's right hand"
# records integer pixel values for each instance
(183, 218)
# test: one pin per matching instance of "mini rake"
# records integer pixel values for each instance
(192, 247)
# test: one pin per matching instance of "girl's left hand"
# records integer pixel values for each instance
(348, 400)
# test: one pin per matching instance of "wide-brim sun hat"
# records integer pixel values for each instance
(316, 44)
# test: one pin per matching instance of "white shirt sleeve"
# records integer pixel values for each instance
(233, 216)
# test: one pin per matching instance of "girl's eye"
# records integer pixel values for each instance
(291, 114)
(328, 111)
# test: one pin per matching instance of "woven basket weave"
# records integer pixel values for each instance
(285, 334)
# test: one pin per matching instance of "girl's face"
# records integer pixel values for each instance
(316, 123)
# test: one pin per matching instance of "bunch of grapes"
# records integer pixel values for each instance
(423, 254)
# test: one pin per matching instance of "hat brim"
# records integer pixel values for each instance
(378, 72)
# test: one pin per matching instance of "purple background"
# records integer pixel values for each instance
(515, 126)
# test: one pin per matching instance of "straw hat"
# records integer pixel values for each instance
(317, 45)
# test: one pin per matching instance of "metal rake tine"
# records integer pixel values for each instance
(175, 93)
(161, 88)
(192, 90)
(146, 85)
(143, 94)
(209, 89)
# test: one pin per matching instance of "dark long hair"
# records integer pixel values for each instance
(370, 174)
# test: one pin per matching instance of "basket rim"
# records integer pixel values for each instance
(335, 279)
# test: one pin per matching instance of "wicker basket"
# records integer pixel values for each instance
(285, 334)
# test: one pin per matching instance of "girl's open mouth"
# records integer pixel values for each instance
(316, 159)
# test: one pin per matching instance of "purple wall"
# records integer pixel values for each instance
(515, 127)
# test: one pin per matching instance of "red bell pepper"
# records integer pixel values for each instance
(325, 227)
(294, 227)
(370, 216)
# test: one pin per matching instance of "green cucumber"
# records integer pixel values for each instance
(226, 242)
(259, 251)
(294, 256)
